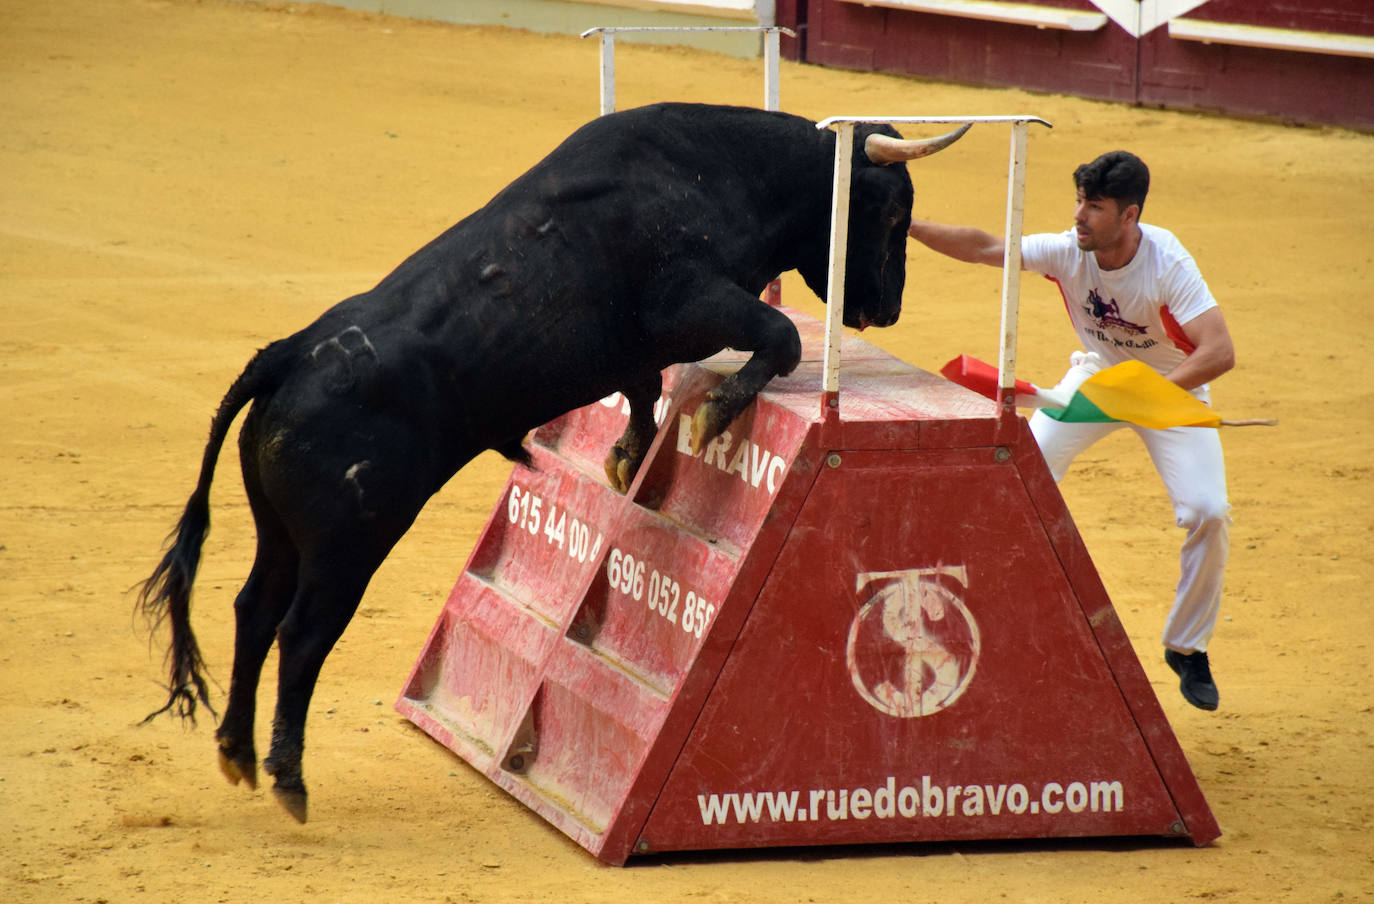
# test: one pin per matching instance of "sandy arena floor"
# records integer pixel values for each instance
(182, 182)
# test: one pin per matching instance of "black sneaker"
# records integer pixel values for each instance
(1195, 678)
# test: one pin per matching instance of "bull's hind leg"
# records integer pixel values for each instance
(326, 598)
(348, 547)
(625, 457)
(260, 605)
(258, 609)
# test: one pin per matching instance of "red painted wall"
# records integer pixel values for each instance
(1255, 81)
(1110, 63)
(1347, 17)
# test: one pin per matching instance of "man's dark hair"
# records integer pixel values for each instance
(1118, 175)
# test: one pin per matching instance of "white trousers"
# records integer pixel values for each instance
(1190, 462)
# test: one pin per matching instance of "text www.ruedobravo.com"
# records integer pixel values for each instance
(888, 801)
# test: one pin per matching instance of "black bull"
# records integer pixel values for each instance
(642, 241)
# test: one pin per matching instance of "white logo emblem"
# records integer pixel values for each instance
(914, 646)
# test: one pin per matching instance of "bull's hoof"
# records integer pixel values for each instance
(707, 424)
(239, 770)
(292, 800)
(620, 469)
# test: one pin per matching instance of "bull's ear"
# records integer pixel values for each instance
(884, 149)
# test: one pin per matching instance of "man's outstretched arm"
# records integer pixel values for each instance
(965, 243)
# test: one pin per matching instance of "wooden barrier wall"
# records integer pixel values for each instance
(1308, 62)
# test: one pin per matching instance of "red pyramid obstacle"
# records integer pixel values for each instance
(873, 626)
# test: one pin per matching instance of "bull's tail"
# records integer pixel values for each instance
(166, 594)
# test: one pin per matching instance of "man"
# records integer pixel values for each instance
(1133, 291)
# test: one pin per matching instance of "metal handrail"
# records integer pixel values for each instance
(839, 242)
(771, 55)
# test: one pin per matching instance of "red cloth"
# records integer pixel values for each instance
(980, 376)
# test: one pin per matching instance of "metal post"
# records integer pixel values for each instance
(839, 244)
(771, 53)
(1011, 268)
(772, 101)
(607, 72)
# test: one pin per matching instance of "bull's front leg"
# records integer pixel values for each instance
(724, 403)
(716, 315)
(625, 457)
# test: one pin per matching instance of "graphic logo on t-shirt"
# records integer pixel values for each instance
(1108, 315)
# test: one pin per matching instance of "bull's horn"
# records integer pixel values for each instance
(884, 149)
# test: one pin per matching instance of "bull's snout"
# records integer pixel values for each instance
(866, 319)
(886, 318)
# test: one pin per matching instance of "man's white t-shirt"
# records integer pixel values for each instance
(1133, 312)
